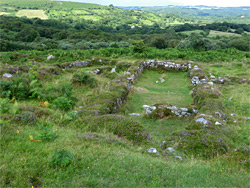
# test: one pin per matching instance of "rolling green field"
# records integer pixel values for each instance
(85, 11)
(70, 25)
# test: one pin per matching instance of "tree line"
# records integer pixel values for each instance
(36, 34)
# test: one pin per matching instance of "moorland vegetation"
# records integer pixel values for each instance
(96, 102)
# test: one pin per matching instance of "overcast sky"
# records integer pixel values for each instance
(223, 3)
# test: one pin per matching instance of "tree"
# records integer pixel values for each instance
(27, 34)
(138, 46)
(159, 42)
(241, 44)
(239, 31)
(195, 41)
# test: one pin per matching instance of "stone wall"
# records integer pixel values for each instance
(153, 65)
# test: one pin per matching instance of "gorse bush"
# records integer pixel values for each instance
(84, 79)
(61, 159)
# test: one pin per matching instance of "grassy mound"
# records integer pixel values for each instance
(118, 125)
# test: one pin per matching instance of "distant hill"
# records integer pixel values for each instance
(108, 15)
(206, 14)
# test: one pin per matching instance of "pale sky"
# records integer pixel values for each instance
(222, 3)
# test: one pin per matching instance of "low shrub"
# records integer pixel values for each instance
(25, 118)
(204, 92)
(60, 97)
(46, 133)
(61, 159)
(36, 110)
(48, 72)
(51, 93)
(16, 87)
(159, 113)
(239, 155)
(63, 103)
(19, 87)
(199, 73)
(4, 105)
(84, 79)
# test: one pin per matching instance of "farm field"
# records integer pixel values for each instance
(218, 33)
(32, 14)
(212, 33)
(84, 11)
(4, 13)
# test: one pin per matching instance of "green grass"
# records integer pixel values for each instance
(90, 17)
(103, 161)
(80, 12)
(233, 69)
(147, 92)
(160, 129)
(240, 103)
